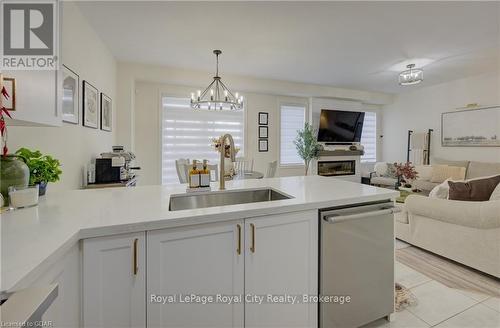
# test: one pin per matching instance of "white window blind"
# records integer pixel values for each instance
(369, 138)
(292, 118)
(187, 133)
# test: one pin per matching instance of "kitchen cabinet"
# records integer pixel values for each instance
(114, 273)
(197, 260)
(66, 274)
(256, 257)
(38, 100)
(281, 258)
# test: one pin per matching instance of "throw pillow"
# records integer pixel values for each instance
(442, 172)
(495, 195)
(440, 191)
(380, 168)
(474, 190)
(391, 171)
(424, 172)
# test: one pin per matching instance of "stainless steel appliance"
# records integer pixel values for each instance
(356, 261)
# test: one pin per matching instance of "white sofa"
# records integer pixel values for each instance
(474, 170)
(466, 232)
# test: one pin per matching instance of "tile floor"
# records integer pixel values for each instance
(440, 306)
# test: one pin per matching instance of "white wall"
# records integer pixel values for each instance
(74, 145)
(147, 115)
(140, 87)
(421, 109)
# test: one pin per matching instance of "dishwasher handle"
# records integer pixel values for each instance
(336, 218)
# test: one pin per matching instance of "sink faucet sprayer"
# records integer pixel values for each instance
(222, 149)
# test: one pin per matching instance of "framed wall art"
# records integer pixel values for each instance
(10, 86)
(263, 145)
(263, 118)
(263, 132)
(471, 128)
(90, 97)
(106, 113)
(70, 96)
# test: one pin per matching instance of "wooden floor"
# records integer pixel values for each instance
(449, 273)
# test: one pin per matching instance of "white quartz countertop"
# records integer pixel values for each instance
(33, 239)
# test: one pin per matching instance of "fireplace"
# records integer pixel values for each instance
(336, 168)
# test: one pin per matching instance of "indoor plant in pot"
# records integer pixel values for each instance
(307, 145)
(43, 168)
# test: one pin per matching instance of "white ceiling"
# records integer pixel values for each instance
(342, 44)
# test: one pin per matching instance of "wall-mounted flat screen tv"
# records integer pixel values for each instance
(338, 126)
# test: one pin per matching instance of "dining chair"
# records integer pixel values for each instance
(271, 169)
(243, 164)
(180, 167)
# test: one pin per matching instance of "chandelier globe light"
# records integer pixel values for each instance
(217, 95)
(411, 76)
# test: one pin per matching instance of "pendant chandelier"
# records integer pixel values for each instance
(216, 96)
(411, 76)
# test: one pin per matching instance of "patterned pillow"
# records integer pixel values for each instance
(391, 171)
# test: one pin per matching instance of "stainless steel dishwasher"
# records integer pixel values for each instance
(356, 279)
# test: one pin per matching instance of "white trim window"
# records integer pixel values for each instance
(187, 133)
(369, 138)
(292, 118)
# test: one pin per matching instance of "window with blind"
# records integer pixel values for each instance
(187, 134)
(292, 118)
(369, 138)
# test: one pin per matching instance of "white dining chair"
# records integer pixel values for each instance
(180, 167)
(243, 164)
(271, 169)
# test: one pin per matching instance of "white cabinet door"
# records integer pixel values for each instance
(37, 98)
(200, 260)
(281, 258)
(66, 273)
(114, 281)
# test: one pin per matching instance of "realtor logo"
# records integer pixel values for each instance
(29, 35)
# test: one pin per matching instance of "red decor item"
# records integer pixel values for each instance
(406, 171)
(3, 125)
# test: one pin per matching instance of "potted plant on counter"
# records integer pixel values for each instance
(307, 145)
(43, 168)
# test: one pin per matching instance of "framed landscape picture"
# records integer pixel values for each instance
(471, 128)
(90, 105)
(106, 113)
(70, 96)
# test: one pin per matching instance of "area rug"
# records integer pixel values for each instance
(447, 272)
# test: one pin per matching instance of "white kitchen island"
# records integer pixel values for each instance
(111, 250)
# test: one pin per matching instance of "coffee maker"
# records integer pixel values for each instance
(115, 166)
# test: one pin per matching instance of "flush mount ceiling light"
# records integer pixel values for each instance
(216, 96)
(411, 76)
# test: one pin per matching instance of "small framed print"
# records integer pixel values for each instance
(90, 97)
(10, 86)
(263, 145)
(263, 118)
(70, 96)
(106, 112)
(263, 132)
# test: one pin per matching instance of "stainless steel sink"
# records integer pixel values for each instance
(222, 198)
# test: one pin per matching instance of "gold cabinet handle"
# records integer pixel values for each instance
(252, 247)
(135, 267)
(238, 249)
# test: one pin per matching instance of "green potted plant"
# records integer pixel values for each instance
(307, 145)
(43, 168)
